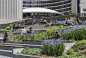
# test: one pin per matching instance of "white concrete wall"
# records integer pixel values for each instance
(82, 1)
(82, 6)
(74, 5)
(11, 9)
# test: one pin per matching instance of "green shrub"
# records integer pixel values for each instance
(73, 53)
(74, 46)
(49, 34)
(81, 47)
(26, 18)
(70, 51)
(75, 49)
(32, 51)
(78, 54)
(25, 50)
(71, 56)
(85, 47)
(85, 52)
(82, 42)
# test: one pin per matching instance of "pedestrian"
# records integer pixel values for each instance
(24, 31)
(5, 37)
(18, 26)
(75, 22)
(50, 24)
(30, 30)
(14, 26)
(58, 35)
(56, 21)
(34, 20)
(67, 24)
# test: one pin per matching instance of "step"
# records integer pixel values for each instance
(24, 42)
(19, 45)
(8, 53)
(6, 48)
(2, 56)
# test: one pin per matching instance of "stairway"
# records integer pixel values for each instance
(7, 49)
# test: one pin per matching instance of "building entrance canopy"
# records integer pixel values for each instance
(40, 10)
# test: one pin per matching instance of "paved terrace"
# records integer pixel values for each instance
(35, 26)
(5, 21)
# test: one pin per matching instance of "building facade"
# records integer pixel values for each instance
(82, 6)
(11, 9)
(58, 5)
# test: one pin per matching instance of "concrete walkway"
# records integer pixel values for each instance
(36, 26)
(6, 21)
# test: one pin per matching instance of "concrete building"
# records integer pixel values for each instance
(61, 6)
(82, 6)
(11, 9)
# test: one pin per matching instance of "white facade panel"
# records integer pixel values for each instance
(82, 7)
(11, 9)
(82, 1)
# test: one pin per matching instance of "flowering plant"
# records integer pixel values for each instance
(76, 32)
(53, 47)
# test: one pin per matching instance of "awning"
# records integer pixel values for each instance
(39, 10)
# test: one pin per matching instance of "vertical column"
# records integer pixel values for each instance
(7, 9)
(15, 9)
(20, 15)
(12, 9)
(0, 8)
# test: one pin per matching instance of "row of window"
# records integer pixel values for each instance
(37, 2)
(64, 10)
(47, 5)
(58, 7)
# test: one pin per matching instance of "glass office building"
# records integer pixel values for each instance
(61, 6)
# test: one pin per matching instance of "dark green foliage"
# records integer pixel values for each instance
(81, 47)
(78, 54)
(85, 52)
(76, 49)
(85, 47)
